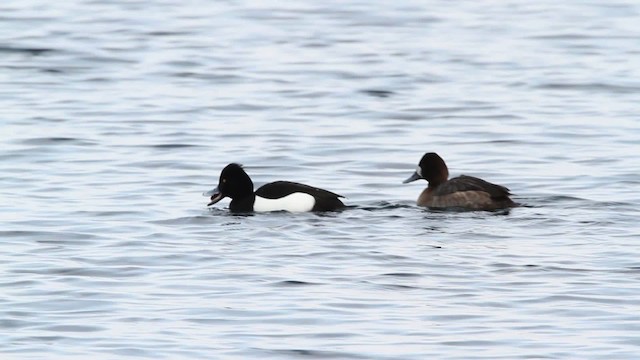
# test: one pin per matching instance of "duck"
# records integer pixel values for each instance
(289, 196)
(462, 192)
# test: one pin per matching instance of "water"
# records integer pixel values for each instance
(117, 115)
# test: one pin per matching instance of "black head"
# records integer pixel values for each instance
(431, 168)
(234, 183)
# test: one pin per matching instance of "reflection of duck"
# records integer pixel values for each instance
(280, 195)
(464, 192)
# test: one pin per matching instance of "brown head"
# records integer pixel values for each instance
(431, 168)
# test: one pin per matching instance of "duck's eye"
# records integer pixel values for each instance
(224, 180)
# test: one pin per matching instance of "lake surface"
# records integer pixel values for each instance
(116, 115)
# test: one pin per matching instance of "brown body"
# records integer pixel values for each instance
(462, 192)
(472, 200)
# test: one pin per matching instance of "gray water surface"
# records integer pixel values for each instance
(116, 116)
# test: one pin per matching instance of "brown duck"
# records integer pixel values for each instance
(462, 192)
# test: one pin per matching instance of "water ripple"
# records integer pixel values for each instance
(114, 124)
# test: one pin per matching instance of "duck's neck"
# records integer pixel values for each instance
(436, 180)
(434, 183)
(242, 204)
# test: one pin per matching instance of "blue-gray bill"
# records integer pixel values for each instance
(215, 195)
(413, 177)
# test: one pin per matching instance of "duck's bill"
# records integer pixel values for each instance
(215, 198)
(413, 177)
(215, 195)
(211, 192)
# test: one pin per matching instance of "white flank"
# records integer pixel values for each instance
(296, 202)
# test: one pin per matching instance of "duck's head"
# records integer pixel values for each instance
(234, 183)
(431, 168)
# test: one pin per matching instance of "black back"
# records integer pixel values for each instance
(471, 183)
(325, 200)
